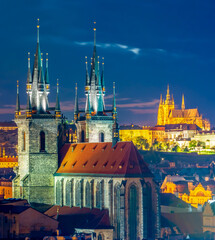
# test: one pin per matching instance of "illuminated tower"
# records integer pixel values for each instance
(39, 132)
(95, 123)
(165, 107)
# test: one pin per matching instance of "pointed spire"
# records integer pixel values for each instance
(100, 107)
(161, 100)
(28, 107)
(29, 77)
(87, 75)
(76, 110)
(102, 76)
(183, 103)
(47, 72)
(38, 31)
(94, 29)
(57, 106)
(88, 112)
(167, 94)
(114, 113)
(172, 99)
(17, 100)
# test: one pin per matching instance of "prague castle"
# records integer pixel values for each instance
(97, 172)
(167, 114)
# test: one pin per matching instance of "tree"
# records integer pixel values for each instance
(201, 144)
(155, 145)
(192, 144)
(186, 149)
(176, 148)
(141, 143)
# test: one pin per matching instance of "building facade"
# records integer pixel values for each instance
(168, 114)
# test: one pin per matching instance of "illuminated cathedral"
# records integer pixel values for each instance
(97, 173)
(167, 114)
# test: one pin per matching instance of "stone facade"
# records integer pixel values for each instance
(91, 129)
(67, 187)
(34, 180)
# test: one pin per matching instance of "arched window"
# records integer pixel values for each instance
(58, 193)
(101, 137)
(42, 141)
(133, 212)
(117, 210)
(23, 141)
(68, 193)
(98, 195)
(82, 136)
(77, 194)
(87, 195)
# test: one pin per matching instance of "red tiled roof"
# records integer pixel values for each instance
(101, 158)
(9, 159)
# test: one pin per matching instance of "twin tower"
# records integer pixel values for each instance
(41, 128)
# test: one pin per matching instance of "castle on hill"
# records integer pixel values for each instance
(98, 172)
(167, 114)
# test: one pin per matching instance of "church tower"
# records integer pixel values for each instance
(95, 123)
(165, 107)
(39, 130)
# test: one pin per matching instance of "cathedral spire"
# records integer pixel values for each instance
(29, 77)
(87, 75)
(76, 110)
(167, 93)
(102, 76)
(114, 112)
(17, 112)
(47, 72)
(172, 99)
(88, 111)
(183, 103)
(57, 106)
(161, 100)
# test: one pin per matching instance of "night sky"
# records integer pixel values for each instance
(146, 45)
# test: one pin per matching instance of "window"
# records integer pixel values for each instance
(42, 141)
(23, 141)
(101, 137)
(133, 212)
(87, 195)
(82, 136)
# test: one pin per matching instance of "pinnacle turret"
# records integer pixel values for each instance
(76, 110)
(183, 103)
(17, 100)
(57, 105)
(114, 112)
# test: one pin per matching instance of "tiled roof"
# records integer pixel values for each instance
(101, 158)
(8, 159)
(169, 199)
(183, 126)
(187, 113)
(8, 124)
(75, 217)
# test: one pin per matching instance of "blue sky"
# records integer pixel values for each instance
(146, 45)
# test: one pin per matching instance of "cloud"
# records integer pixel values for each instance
(139, 104)
(119, 46)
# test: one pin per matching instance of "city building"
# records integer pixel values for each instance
(208, 137)
(168, 114)
(97, 171)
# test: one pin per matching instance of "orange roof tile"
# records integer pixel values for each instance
(177, 113)
(101, 158)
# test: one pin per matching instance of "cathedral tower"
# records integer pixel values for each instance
(95, 123)
(39, 130)
(165, 107)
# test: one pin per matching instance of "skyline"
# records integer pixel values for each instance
(163, 52)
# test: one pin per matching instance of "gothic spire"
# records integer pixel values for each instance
(29, 77)
(114, 113)
(172, 99)
(88, 112)
(57, 106)
(87, 75)
(167, 94)
(28, 107)
(17, 100)
(102, 76)
(183, 103)
(47, 72)
(100, 107)
(76, 100)
(161, 100)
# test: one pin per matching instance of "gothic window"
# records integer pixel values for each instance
(101, 137)
(117, 210)
(133, 212)
(87, 195)
(98, 195)
(78, 194)
(68, 193)
(100, 237)
(42, 141)
(23, 141)
(58, 193)
(82, 136)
